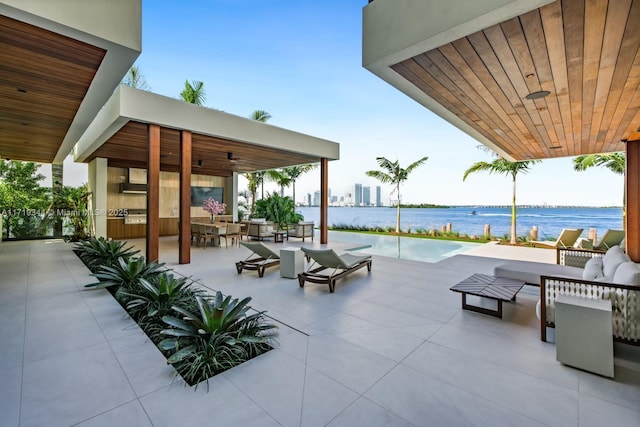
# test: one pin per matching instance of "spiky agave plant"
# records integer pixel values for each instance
(221, 335)
(97, 252)
(126, 275)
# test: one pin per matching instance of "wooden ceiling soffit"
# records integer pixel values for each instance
(585, 53)
(44, 77)
(210, 155)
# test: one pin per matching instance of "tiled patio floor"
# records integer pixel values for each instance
(388, 348)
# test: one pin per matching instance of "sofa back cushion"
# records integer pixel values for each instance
(593, 269)
(611, 260)
(627, 273)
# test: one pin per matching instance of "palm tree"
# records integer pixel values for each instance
(503, 166)
(256, 178)
(194, 92)
(279, 177)
(294, 172)
(135, 79)
(615, 162)
(260, 116)
(392, 173)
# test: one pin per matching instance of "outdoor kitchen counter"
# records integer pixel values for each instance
(117, 229)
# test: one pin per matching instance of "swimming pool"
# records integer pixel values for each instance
(427, 250)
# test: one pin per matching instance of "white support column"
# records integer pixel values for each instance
(231, 195)
(98, 188)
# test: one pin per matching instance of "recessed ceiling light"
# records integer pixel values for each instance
(538, 95)
(555, 147)
(22, 90)
(530, 75)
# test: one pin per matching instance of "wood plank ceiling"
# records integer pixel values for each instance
(44, 77)
(584, 52)
(210, 155)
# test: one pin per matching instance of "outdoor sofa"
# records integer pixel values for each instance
(588, 274)
(301, 230)
(260, 229)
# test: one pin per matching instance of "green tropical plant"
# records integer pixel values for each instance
(256, 179)
(134, 78)
(97, 252)
(153, 298)
(395, 175)
(278, 209)
(502, 166)
(74, 200)
(615, 162)
(125, 275)
(295, 172)
(279, 177)
(194, 92)
(219, 336)
(22, 199)
(260, 116)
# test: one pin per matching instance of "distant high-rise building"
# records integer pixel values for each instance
(378, 196)
(357, 198)
(308, 199)
(316, 198)
(366, 196)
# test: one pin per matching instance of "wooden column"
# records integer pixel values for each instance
(153, 193)
(184, 255)
(324, 199)
(632, 177)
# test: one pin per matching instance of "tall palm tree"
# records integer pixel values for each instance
(194, 92)
(57, 177)
(256, 178)
(294, 172)
(279, 177)
(503, 166)
(615, 162)
(135, 79)
(392, 173)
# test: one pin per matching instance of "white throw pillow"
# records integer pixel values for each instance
(611, 262)
(627, 273)
(593, 269)
(612, 251)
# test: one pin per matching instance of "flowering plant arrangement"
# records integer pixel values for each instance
(213, 206)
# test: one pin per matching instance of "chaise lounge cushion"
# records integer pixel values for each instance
(530, 272)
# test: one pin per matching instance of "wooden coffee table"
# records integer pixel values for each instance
(483, 285)
(278, 236)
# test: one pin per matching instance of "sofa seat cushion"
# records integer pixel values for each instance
(530, 272)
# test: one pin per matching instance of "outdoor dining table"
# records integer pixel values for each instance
(217, 228)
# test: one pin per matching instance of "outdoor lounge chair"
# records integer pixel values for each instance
(265, 257)
(610, 239)
(566, 239)
(341, 266)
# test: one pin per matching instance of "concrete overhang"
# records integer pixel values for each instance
(224, 143)
(61, 62)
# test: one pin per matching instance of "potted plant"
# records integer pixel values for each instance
(280, 210)
(213, 207)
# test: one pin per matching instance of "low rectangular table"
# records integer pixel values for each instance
(483, 285)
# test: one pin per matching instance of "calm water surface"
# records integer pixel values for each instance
(471, 220)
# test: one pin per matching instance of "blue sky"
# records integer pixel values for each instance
(301, 62)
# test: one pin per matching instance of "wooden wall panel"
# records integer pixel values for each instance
(633, 200)
(153, 194)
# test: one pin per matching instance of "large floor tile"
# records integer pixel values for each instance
(391, 343)
(223, 404)
(10, 392)
(596, 412)
(364, 412)
(538, 399)
(348, 364)
(425, 400)
(323, 398)
(275, 381)
(130, 414)
(72, 387)
(623, 390)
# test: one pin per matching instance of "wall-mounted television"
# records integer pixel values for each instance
(200, 194)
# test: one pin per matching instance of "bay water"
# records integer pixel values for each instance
(471, 220)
